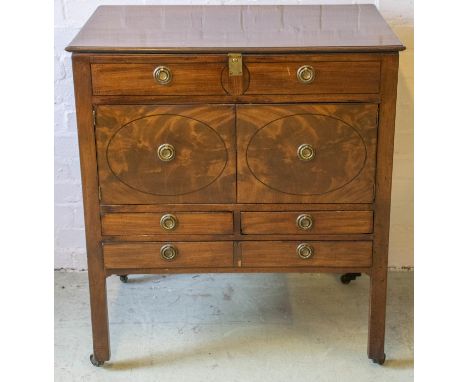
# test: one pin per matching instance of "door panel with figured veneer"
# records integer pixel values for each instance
(306, 153)
(152, 154)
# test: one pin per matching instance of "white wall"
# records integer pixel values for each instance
(70, 15)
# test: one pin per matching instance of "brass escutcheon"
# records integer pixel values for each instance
(168, 252)
(304, 222)
(306, 74)
(304, 251)
(168, 222)
(235, 64)
(305, 152)
(166, 152)
(162, 75)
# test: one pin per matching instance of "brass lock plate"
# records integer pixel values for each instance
(235, 64)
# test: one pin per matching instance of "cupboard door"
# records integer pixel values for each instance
(166, 154)
(306, 153)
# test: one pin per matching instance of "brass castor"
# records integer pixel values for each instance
(380, 361)
(348, 277)
(124, 278)
(95, 362)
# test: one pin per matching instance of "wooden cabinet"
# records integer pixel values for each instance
(256, 148)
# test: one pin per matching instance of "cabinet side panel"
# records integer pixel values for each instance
(378, 288)
(89, 178)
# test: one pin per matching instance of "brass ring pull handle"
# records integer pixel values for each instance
(162, 75)
(166, 152)
(168, 252)
(305, 152)
(305, 251)
(168, 222)
(304, 222)
(306, 74)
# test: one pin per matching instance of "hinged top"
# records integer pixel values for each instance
(223, 29)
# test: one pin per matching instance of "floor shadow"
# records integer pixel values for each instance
(140, 279)
(399, 363)
(252, 343)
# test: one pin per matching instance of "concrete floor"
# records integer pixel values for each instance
(233, 327)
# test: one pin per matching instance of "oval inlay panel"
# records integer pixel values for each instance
(200, 155)
(340, 154)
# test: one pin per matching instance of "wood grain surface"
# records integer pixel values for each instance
(193, 76)
(105, 208)
(147, 255)
(89, 179)
(204, 223)
(248, 28)
(330, 77)
(378, 284)
(342, 171)
(329, 222)
(137, 79)
(326, 254)
(234, 269)
(130, 171)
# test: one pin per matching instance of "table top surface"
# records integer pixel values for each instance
(220, 29)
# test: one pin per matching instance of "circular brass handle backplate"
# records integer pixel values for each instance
(304, 251)
(306, 74)
(305, 152)
(162, 75)
(168, 252)
(166, 152)
(304, 222)
(168, 222)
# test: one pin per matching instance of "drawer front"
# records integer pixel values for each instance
(166, 154)
(314, 253)
(308, 222)
(139, 79)
(167, 223)
(314, 77)
(168, 255)
(306, 153)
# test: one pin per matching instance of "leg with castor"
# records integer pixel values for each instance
(124, 278)
(377, 307)
(92, 215)
(95, 362)
(380, 361)
(348, 277)
(99, 316)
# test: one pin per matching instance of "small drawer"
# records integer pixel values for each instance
(362, 77)
(167, 223)
(307, 222)
(306, 254)
(158, 79)
(168, 255)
